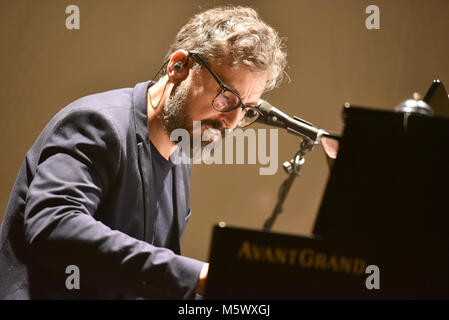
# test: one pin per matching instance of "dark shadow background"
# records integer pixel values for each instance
(332, 57)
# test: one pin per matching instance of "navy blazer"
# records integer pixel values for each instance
(82, 197)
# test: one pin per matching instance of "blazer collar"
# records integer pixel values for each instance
(140, 110)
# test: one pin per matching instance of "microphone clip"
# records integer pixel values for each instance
(295, 164)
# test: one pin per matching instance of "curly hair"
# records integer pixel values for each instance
(237, 33)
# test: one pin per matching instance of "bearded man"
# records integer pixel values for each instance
(98, 191)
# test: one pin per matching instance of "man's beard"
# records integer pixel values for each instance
(174, 112)
(175, 115)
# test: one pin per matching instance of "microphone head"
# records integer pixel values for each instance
(264, 107)
(267, 117)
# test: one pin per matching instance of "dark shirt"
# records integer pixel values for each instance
(162, 197)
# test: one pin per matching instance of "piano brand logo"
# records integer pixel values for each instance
(306, 258)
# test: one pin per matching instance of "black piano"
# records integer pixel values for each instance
(382, 230)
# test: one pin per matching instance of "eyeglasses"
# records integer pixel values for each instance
(227, 100)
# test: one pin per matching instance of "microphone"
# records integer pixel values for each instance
(272, 116)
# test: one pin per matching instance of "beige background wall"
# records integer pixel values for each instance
(333, 58)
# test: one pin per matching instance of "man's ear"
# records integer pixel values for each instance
(178, 66)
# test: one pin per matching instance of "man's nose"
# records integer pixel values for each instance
(232, 118)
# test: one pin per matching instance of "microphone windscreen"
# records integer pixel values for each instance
(264, 107)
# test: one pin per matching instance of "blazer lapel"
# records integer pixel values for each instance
(144, 156)
(145, 169)
(180, 194)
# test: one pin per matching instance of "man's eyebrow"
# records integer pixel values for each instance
(252, 104)
(228, 86)
(249, 104)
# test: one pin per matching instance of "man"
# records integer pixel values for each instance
(98, 194)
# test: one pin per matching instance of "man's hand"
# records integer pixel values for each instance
(330, 146)
(202, 279)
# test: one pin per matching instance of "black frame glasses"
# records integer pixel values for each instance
(229, 97)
